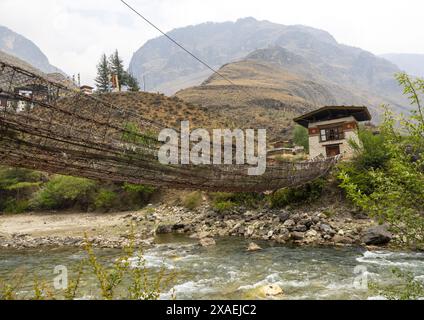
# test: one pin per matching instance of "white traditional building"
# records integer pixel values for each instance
(87, 89)
(331, 128)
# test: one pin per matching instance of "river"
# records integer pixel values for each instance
(227, 271)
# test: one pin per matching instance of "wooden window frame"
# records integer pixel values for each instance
(334, 133)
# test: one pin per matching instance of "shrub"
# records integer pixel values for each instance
(307, 192)
(223, 206)
(301, 137)
(136, 195)
(63, 192)
(12, 205)
(192, 200)
(16, 188)
(247, 199)
(373, 152)
(409, 287)
(397, 193)
(105, 199)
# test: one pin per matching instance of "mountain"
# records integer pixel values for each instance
(24, 49)
(269, 88)
(167, 68)
(410, 63)
(56, 77)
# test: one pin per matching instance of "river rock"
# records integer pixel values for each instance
(289, 223)
(342, 239)
(284, 216)
(315, 219)
(311, 234)
(377, 236)
(327, 229)
(249, 231)
(295, 217)
(178, 226)
(306, 222)
(207, 242)
(201, 235)
(300, 228)
(253, 247)
(272, 290)
(297, 235)
(164, 229)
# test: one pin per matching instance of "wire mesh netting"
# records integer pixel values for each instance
(51, 126)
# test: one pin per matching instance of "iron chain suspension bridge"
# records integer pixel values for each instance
(50, 126)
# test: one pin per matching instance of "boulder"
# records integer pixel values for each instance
(207, 242)
(377, 236)
(297, 235)
(289, 223)
(283, 236)
(342, 239)
(164, 229)
(327, 229)
(284, 216)
(295, 217)
(300, 228)
(311, 234)
(306, 222)
(315, 219)
(253, 247)
(272, 290)
(178, 226)
(249, 231)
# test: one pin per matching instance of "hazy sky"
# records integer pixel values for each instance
(74, 33)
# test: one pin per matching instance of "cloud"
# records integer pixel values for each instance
(74, 33)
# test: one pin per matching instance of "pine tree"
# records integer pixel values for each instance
(103, 74)
(132, 83)
(117, 68)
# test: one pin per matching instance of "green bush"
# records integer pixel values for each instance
(105, 199)
(301, 137)
(12, 205)
(136, 195)
(287, 196)
(16, 188)
(246, 199)
(396, 180)
(139, 189)
(407, 288)
(63, 192)
(192, 200)
(373, 152)
(223, 206)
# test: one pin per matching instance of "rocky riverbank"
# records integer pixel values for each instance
(301, 226)
(325, 226)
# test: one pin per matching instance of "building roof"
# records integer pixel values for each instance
(86, 87)
(334, 112)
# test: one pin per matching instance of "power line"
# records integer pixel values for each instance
(180, 46)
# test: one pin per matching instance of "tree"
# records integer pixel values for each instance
(301, 137)
(117, 68)
(397, 194)
(132, 83)
(103, 75)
